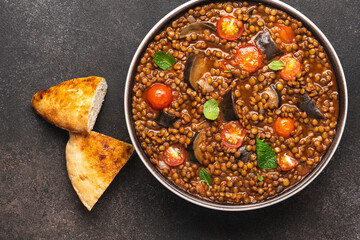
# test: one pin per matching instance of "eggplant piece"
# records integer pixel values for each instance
(227, 108)
(244, 154)
(306, 104)
(197, 27)
(166, 120)
(196, 66)
(274, 96)
(251, 10)
(193, 150)
(267, 45)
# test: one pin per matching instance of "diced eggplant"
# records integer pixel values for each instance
(306, 104)
(251, 10)
(196, 66)
(165, 119)
(197, 27)
(274, 97)
(193, 150)
(267, 45)
(227, 108)
(244, 154)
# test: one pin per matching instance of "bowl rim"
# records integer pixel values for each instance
(343, 108)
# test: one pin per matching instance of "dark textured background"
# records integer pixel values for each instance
(43, 43)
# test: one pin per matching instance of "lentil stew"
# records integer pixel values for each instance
(272, 84)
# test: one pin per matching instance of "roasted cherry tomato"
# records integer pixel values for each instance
(286, 162)
(249, 58)
(159, 96)
(284, 126)
(291, 69)
(286, 33)
(230, 28)
(233, 134)
(174, 155)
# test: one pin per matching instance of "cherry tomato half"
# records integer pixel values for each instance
(159, 96)
(233, 134)
(286, 162)
(230, 28)
(284, 126)
(174, 155)
(249, 58)
(286, 33)
(291, 69)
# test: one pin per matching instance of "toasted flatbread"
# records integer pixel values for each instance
(72, 105)
(92, 162)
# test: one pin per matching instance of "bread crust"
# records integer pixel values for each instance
(92, 162)
(67, 105)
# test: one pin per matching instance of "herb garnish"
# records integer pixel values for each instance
(205, 176)
(259, 177)
(211, 109)
(266, 156)
(228, 71)
(164, 60)
(276, 65)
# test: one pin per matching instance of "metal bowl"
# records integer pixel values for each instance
(343, 105)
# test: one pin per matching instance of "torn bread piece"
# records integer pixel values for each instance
(72, 105)
(92, 163)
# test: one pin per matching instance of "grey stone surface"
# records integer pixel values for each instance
(44, 42)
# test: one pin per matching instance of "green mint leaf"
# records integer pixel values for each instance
(228, 71)
(260, 178)
(211, 109)
(164, 60)
(276, 65)
(266, 156)
(205, 176)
